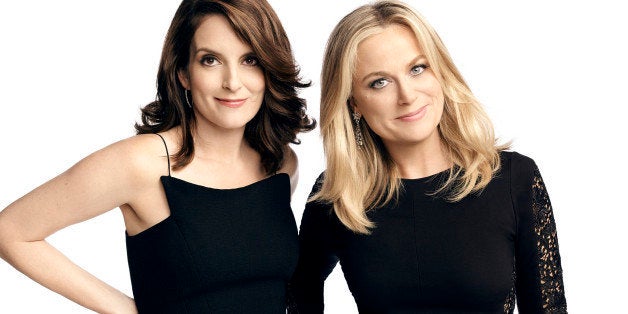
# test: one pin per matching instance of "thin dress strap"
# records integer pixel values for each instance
(167, 154)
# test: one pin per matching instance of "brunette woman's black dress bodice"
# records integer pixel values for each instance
(427, 255)
(220, 251)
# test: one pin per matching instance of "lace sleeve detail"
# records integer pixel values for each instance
(549, 266)
(509, 304)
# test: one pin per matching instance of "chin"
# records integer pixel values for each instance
(234, 123)
(234, 126)
(411, 139)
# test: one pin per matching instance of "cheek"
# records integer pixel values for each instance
(439, 106)
(376, 116)
(204, 81)
(374, 104)
(434, 91)
(439, 99)
(254, 81)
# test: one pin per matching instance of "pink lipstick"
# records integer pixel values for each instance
(414, 115)
(231, 103)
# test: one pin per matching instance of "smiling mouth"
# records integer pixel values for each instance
(414, 115)
(231, 103)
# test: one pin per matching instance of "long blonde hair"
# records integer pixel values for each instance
(361, 178)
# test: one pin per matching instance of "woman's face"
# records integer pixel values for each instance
(224, 76)
(394, 88)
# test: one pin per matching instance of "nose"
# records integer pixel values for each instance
(406, 94)
(231, 79)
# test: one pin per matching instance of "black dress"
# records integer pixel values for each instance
(427, 255)
(220, 251)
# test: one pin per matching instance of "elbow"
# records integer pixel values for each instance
(7, 238)
(3, 242)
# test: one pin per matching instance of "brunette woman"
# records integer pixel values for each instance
(205, 186)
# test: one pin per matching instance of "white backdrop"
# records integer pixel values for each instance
(552, 76)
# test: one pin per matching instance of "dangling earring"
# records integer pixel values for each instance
(188, 100)
(358, 130)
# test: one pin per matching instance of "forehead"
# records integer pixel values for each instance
(215, 32)
(393, 43)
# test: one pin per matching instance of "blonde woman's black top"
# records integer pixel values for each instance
(220, 251)
(426, 255)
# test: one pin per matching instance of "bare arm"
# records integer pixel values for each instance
(98, 183)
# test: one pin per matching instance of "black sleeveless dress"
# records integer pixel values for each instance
(220, 251)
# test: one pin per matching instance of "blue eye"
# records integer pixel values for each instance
(379, 83)
(418, 69)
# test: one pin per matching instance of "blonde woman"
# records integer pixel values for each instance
(424, 211)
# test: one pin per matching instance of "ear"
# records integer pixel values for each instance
(184, 78)
(353, 106)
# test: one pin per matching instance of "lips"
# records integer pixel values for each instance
(414, 115)
(231, 103)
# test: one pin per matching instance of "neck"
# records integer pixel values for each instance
(218, 144)
(421, 159)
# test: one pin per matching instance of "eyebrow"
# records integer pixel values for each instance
(217, 54)
(383, 73)
(207, 50)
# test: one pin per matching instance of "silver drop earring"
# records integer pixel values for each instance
(358, 130)
(187, 100)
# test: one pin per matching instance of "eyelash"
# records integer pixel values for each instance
(374, 84)
(377, 82)
(251, 61)
(423, 67)
(209, 60)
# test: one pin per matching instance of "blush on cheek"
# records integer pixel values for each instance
(255, 80)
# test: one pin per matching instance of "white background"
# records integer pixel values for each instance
(552, 75)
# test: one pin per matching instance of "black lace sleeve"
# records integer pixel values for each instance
(539, 276)
(317, 258)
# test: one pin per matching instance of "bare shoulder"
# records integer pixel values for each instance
(149, 150)
(136, 158)
(118, 174)
(290, 162)
(291, 167)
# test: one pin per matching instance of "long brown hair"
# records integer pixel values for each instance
(282, 114)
